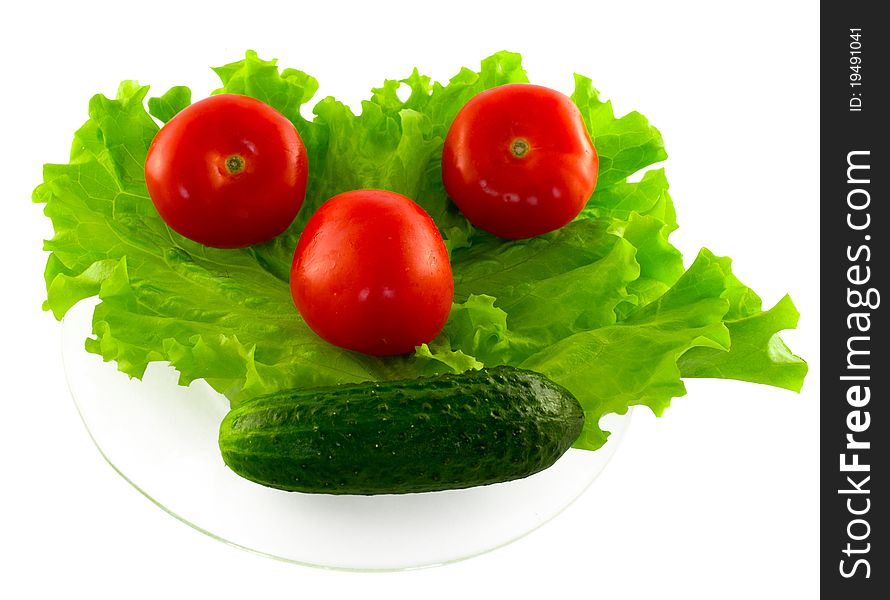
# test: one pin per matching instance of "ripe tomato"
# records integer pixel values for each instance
(228, 171)
(371, 273)
(518, 161)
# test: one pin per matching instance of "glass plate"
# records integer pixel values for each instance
(161, 437)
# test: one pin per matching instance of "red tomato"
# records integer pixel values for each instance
(228, 171)
(371, 273)
(518, 161)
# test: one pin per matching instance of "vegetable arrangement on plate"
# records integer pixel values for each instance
(436, 293)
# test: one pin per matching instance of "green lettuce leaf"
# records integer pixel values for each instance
(603, 306)
(635, 361)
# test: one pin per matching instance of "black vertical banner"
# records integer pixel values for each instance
(855, 63)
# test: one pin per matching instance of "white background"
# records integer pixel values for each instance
(718, 499)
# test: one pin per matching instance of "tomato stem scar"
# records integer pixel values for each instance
(234, 164)
(519, 147)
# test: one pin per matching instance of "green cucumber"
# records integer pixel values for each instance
(396, 437)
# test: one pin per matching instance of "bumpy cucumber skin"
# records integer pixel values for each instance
(396, 437)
